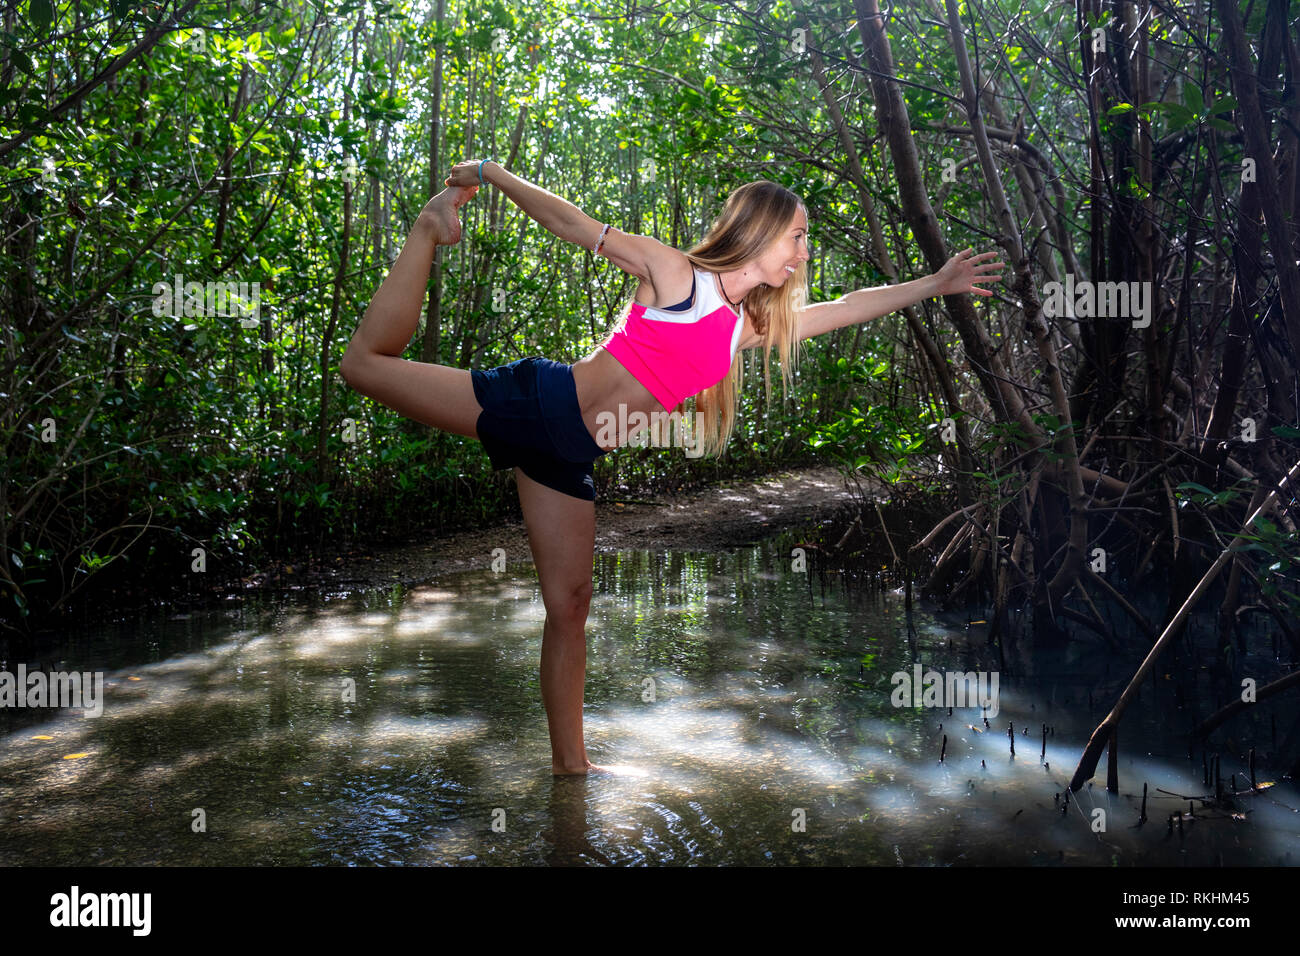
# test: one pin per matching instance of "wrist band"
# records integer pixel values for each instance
(601, 241)
(480, 169)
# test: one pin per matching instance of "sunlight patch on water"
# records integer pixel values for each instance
(393, 733)
(698, 742)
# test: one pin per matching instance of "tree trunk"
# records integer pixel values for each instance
(431, 346)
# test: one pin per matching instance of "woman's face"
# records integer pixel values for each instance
(789, 249)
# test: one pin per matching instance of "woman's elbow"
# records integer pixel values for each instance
(352, 368)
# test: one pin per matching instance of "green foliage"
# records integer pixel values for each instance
(1279, 551)
(1192, 492)
(227, 162)
(880, 440)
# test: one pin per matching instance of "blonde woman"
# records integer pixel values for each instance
(693, 312)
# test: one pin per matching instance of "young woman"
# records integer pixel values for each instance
(741, 287)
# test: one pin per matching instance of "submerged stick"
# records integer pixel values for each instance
(881, 515)
(1092, 752)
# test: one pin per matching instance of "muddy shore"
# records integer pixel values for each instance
(726, 515)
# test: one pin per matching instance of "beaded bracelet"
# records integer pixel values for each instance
(480, 170)
(601, 241)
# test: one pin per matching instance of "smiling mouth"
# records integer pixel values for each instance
(790, 269)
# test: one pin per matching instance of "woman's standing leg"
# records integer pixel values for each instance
(562, 534)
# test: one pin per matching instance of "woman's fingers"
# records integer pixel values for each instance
(967, 268)
(464, 173)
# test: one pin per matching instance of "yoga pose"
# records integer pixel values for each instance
(742, 286)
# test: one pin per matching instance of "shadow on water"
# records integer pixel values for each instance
(752, 704)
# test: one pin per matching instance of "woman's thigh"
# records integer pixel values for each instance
(562, 534)
(436, 395)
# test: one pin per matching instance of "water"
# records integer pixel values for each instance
(770, 739)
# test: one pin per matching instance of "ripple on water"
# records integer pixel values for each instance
(749, 709)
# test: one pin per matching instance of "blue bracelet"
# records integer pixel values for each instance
(480, 170)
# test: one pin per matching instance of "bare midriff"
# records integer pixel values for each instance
(603, 384)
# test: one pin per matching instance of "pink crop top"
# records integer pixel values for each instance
(677, 354)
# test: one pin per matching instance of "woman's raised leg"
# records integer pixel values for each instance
(436, 395)
(562, 534)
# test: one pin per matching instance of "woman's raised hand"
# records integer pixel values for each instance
(464, 174)
(963, 271)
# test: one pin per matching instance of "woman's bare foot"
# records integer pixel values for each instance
(578, 770)
(440, 215)
(591, 769)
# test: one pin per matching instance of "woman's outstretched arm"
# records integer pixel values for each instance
(555, 213)
(961, 273)
(644, 257)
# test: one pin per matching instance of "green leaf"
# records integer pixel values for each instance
(1179, 116)
(29, 114)
(41, 13)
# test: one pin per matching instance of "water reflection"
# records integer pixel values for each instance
(753, 703)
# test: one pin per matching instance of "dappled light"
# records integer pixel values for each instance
(743, 712)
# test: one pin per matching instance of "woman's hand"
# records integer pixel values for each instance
(466, 173)
(961, 273)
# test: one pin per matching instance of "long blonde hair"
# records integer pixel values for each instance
(752, 218)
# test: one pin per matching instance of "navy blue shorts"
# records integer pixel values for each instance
(531, 419)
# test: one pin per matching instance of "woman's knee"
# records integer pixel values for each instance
(569, 605)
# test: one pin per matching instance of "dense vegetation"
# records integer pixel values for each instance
(1080, 455)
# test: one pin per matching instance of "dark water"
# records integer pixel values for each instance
(772, 707)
